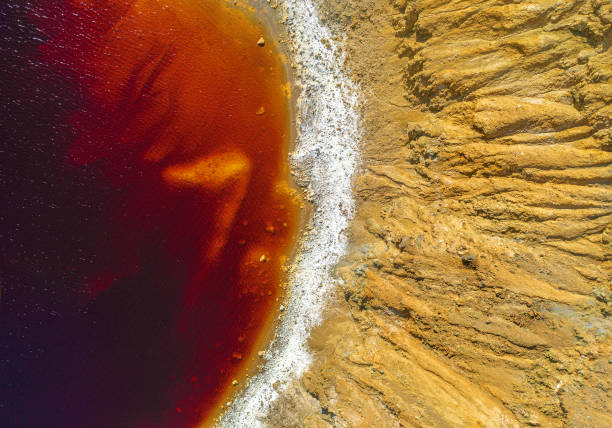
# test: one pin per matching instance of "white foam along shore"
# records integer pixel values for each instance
(325, 157)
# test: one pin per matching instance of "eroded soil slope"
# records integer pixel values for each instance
(477, 291)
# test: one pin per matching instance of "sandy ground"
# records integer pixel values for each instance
(477, 289)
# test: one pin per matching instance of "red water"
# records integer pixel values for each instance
(146, 210)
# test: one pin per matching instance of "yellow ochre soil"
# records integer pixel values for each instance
(477, 288)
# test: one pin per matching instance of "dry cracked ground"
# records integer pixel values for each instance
(477, 290)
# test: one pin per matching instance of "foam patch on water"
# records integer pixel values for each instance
(325, 158)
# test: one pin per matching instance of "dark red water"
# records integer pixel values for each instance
(144, 209)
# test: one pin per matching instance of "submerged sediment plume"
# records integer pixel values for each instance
(147, 211)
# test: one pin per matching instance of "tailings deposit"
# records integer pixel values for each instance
(146, 209)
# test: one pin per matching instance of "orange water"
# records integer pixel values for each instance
(148, 211)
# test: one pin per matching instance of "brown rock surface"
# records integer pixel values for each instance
(477, 291)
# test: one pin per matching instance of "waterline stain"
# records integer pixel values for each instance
(146, 208)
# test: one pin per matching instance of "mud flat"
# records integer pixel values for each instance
(477, 290)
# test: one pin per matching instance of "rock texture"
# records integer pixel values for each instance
(478, 287)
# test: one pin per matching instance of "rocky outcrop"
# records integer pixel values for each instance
(478, 288)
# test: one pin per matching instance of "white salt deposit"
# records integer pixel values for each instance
(326, 156)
